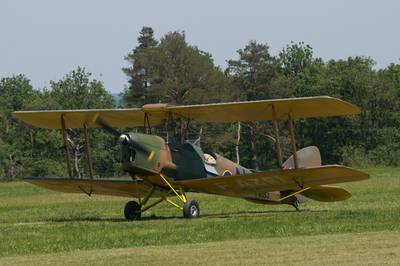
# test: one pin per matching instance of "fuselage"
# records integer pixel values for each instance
(175, 160)
(183, 161)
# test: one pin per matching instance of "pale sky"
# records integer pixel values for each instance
(46, 39)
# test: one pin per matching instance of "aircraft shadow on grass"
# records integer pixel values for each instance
(204, 216)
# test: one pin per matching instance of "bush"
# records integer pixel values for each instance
(356, 157)
(383, 155)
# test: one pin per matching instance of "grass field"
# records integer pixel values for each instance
(43, 227)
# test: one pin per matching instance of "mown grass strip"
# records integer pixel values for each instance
(374, 248)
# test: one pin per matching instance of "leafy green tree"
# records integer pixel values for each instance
(351, 80)
(253, 77)
(26, 150)
(254, 71)
(295, 58)
(146, 38)
(177, 73)
(78, 91)
(15, 91)
(139, 74)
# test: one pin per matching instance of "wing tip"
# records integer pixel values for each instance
(350, 108)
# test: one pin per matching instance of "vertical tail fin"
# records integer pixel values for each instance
(306, 157)
(311, 157)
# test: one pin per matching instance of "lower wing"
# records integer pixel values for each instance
(296, 179)
(99, 187)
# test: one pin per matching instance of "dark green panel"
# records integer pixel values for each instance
(189, 164)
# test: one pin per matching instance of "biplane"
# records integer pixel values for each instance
(166, 168)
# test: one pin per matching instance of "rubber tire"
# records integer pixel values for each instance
(132, 211)
(191, 209)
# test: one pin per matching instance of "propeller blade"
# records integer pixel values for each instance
(125, 138)
(106, 126)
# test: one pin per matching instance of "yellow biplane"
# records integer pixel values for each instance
(170, 166)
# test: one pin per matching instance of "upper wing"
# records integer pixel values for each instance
(217, 112)
(244, 185)
(262, 110)
(99, 187)
(77, 118)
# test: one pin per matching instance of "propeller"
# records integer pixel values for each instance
(125, 139)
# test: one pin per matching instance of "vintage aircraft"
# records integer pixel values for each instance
(166, 167)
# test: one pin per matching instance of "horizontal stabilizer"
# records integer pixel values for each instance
(326, 193)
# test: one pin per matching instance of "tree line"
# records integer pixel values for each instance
(171, 70)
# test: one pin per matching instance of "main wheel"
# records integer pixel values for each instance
(191, 209)
(132, 211)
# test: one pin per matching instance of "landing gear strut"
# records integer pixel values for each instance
(190, 208)
(290, 197)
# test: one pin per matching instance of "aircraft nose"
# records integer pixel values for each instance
(126, 140)
(123, 137)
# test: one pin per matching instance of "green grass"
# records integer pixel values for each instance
(376, 248)
(36, 223)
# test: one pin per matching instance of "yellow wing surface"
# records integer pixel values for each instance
(235, 186)
(98, 187)
(296, 179)
(217, 112)
(327, 193)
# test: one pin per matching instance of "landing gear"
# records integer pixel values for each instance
(289, 197)
(191, 209)
(132, 211)
(295, 204)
